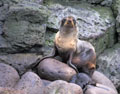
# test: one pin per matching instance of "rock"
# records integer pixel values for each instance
(9, 2)
(52, 69)
(46, 82)
(62, 87)
(1, 27)
(8, 76)
(81, 79)
(99, 89)
(11, 91)
(25, 27)
(107, 3)
(31, 83)
(3, 11)
(105, 81)
(22, 62)
(108, 63)
(96, 24)
(4, 46)
(72, 1)
(116, 10)
(31, 1)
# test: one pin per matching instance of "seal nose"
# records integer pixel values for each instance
(69, 22)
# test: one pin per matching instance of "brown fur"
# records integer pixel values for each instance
(83, 57)
(76, 53)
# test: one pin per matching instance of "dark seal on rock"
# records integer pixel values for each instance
(52, 69)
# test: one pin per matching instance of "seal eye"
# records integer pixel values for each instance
(74, 21)
(63, 22)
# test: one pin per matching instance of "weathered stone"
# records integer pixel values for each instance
(31, 1)
(99, 89)
(116, 10)
(25, 27)
(31, 83)
(73, 1)
(96, 24)
(11, 91)
(62, 87)
(102, 79)
(107, 3)
(3, 12)
(8, 75)
(81, 79)
(109, 64)
(1, 27)
(9, 2)
(21, 62)
(4, 45)
(52, 69)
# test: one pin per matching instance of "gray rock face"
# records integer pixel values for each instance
(116, 8)
(95, 24)
(4, 45)
(8, 76)
(31, 83)
(109, 64)
(24, 26)
(20, 61)
(31, 1)
(11, 91)
(100, 2)
(52, 69)
(62, 87)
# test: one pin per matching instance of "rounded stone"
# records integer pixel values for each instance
(81, 79)
(31, 83)
(62, 87)
(8, 75)
(102, 79)
(100, 89)
(11, 91)
(52, 69)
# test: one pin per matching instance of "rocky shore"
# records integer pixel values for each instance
(27, 30)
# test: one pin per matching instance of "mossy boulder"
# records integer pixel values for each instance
(25, 26)
(109, 64)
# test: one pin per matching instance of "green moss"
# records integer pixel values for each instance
(104, 12)
(49, 38)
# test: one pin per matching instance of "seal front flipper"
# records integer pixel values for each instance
(52, 55)
(69, 62)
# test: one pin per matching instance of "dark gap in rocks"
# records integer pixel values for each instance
(54, 30)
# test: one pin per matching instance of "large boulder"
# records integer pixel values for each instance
(96, 24)
(62, 87)
(31, 83)
(52, 69)
(109, 64)
(21, 62)
(24, 27)
(8, 76)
